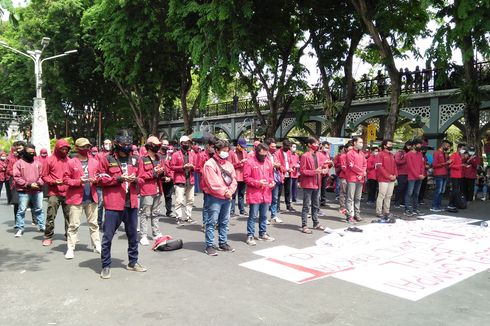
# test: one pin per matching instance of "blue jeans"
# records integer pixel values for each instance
(412, 195)
(261, 209)
(112, 221)
(276, 192)
(438, 191)
(218, 213)
(205, 204)
(100, 207)
(36, 200)
(337, 186)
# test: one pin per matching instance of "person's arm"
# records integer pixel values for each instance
(358, 169)
(174, 165)
(105, 177)
(248, 178)
(304, 170)
(380, 167)
(18, 177)
(46, 175)
(68, 177)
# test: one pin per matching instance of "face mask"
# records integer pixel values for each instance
(293, 149)
(462, 151)
(418, 149)
(83, 152)
(107, 147)
(375, 153)
(125, 149)
(3, 158)
(94, 153)
(471, 153)
(170, 151)
(389, 148)
(446, 149)
(325, 150)
(28, 157)
(164, 148)
(272, 150)
(44, 155)
(359, 146)
(224, 155)
(210, 151)
(314, 147)
(153, 148)
(185, 147)
(260, 157)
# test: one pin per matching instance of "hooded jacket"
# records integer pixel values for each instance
(72, 178)
(54, 168)
(253, 172)
(3, 168)
(25, 174)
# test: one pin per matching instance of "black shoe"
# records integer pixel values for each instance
(105, 273)
(225, 247)
(211, 251)
(289, 208)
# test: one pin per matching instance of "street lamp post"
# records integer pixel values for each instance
(40, 130)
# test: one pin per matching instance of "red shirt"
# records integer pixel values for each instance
(253, 172)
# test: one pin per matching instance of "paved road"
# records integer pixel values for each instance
(186, 287)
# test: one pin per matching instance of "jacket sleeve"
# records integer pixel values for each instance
(176, 166)
(234, 183)
(48, 179)
(438, 160)
(247, 176)
(358, 170)
(68, 177)
(18, 178)
(40, 180)
(212, 180)
(400, 158)
(106, 179)
(380, 168)
(371, 162)
(303, 167)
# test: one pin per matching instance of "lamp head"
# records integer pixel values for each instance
(45, 41)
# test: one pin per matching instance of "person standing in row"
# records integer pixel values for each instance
(294, 174)
(220, 183)
(325, 152)
(440, 164)
(202, 158)
(119, 179)
(416, 169)
(402, 179)
(372, 183)
(278, 179)
(239, 159)
(259, 177)
(165, 155)
(283, 156)
(183, 164)
(386, 173)
(53, 171)
(81, 196)
(456, 176)
(355, 175)
(311, 180)
(27, 178)
(470, 172)
(14, 156)
(3, 170)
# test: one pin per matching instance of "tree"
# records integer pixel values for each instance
(381, 20)
(465, 25)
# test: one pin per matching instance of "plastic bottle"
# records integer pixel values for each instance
(484, 224)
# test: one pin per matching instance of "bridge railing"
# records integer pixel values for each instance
(418, 81)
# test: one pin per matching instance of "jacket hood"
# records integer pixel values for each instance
(60, 143)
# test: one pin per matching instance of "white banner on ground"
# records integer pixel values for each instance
(408, 259)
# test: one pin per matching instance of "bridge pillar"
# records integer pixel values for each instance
(233, 135)
(433, 134)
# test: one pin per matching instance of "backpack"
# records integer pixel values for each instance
(167, 243)
(461, 202)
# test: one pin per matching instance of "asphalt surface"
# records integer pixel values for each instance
(186, 287)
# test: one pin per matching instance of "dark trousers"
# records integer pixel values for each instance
(8, 188)
(423, 188)
(401, 190)
(294, 189)
(455, 191)
(287, 191)
(372, 188)
(112, 221)
(323, 191)
(469, 188)
(54, 202)
(1, 187)
(168, 190)
(240, 192)
(311, 199)
(100, 207)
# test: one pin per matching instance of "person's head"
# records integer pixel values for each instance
(326, 146)
(256, 143)
(3, 156)
(286, 145)
(94, 151)
(445, 145)
(222, 148)
(261, 151)
(62, 148)
(153, 144)
(293, 148)
(461, 148)
(82, 146)
(417, 145)
(43, 153)
(341, 148)
(471, 150)
(29, 152)
(374, 150)
(123, 144)
(170, 149)
(210, 145)
(348, 146)
(241, 144)
(358, 143)
(185, 143)
(18, 147)
(312, 143)
(107, 145)
(271, 142)
(387, 145)
(408, 145)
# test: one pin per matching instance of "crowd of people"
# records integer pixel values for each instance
(136, 186)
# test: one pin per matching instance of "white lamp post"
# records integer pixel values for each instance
(40, 131)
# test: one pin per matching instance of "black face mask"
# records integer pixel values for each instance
(389, 148)
(28, 157)
(418, 149)
(153, 148)
(163, 148)
(185, 147)
(446, 149)
(124, 148)
(260, 157)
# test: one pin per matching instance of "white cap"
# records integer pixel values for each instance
(184, 138)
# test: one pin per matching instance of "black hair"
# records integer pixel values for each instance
(212, 141)
(220, 144)
(461, 145)
(325, 142)
(417, 141)
(385, 142)
(445, 141)
(19, 143)
(261, 147)
(341, 147)
(355, 139)
(29, 145)
(286, 143)
(311, 140)
(269, 141)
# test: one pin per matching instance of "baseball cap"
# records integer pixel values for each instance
(80, 142)
(153, 140)
(242, 142)
(184, 138)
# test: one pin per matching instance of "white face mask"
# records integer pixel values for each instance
(224, 155)
(170, 151)
(293, 149)
(375, 153)
(471, 153)
(462, 151)
(359, 146)
(326, 150)
(107, 147)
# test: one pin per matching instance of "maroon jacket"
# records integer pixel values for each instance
(54, 168)
(253, 172)
(385, 166)
(472, 171)
(356, 166)
(114, 192)
(26, 174)
(439, 164)
(151, 183)
(309, 179)
(72, 178)
(3, 169)
(177, 166)
(401, 162)
(415, 165)
(371, 167)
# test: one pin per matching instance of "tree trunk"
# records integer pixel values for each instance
(185, 86)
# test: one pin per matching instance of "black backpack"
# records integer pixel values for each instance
(461, 202)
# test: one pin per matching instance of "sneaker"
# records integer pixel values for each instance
(350, 220)
(276, 220)
(436, 210)
(484, 198)
(19, 233)
(211, 251)
(97, 249)
(136, 268)
(358, 218)
(70, 254)
(343, 211)
(266, 237)
(105, 273)
(267, 222)
(380, 216)
(243, 214)
(250, 241)
(47, 242)
(320, 213)
(144, 241)
(402, 206)
(225, 247)
(291, 209)
(40, 230)
(419, 213)
(190, 221)
(408, 213)
(397, 206)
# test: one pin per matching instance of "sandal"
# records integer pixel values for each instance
(306, 230)
(319, 227)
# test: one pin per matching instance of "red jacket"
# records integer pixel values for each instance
(72, 178)
(213, 180)
(54, 168)
(309, 178)
(401, 162)
(415, 165)
(114, 192)
(253, 172)
(11, 159)
(201, 158)
(356, 166)
(25, 174)
(371, 167)
(3, 170)
(177, 163)
(385, 166)
(236, 158)
(456, 166)
(295, 165)
(285, 161)
(471, 172)
(439, 164)
(324, 157)
(150, 182)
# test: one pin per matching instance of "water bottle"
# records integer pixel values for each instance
(484, 224)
